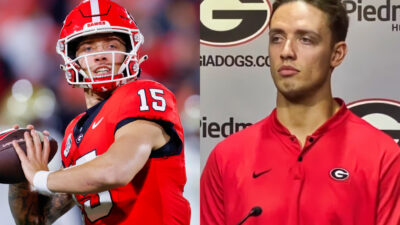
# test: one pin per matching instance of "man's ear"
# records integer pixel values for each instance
(338, 53)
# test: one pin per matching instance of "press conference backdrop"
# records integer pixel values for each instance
(236, 86)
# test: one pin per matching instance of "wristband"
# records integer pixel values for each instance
(40, 182)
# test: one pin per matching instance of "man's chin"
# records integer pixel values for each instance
(293, 94)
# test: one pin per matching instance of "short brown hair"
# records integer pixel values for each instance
(335, 10)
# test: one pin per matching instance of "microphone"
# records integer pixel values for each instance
(255, 211)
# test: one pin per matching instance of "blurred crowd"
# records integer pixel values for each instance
(33, 89)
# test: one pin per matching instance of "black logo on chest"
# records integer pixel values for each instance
(79, 139)
(255, 175)
(339, 174)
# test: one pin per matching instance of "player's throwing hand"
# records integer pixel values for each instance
(36, 157)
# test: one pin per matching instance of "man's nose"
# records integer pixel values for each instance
(100, 57)
(288, 51)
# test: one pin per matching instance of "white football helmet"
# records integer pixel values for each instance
(97, 17)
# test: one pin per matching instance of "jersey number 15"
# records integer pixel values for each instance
(158, 102)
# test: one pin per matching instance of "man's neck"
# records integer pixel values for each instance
(305, 116)
(92, 97)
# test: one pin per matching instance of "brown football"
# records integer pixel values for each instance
(10, 165)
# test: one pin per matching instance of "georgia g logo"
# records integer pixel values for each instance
(232, 22)
(383, 114)
(339, 174)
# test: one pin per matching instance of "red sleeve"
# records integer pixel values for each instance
(146, 99)
(389, 189)
(212, 195)
(149, 100)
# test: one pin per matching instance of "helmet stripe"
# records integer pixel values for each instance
(94, 6)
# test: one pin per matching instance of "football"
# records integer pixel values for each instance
(10, 165)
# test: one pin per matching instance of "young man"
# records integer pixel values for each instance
(311, 161)
(123, 157)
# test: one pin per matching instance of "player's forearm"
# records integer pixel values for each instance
(30, 208)
(91, 177)
(116, 167)
(113, 169)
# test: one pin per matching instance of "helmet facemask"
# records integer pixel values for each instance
(129, 69)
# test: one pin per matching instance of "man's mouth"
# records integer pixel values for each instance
(102, 72)
(287, 71)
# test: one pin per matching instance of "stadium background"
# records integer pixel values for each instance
(33, 89)
(235, 83)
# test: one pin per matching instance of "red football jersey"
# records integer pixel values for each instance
(154, 196)
(347, 173)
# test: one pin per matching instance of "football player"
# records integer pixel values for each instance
(123, 158)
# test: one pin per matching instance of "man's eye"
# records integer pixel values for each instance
(306, 40)
(276, 39)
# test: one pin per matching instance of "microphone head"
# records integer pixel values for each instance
(256, 211)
